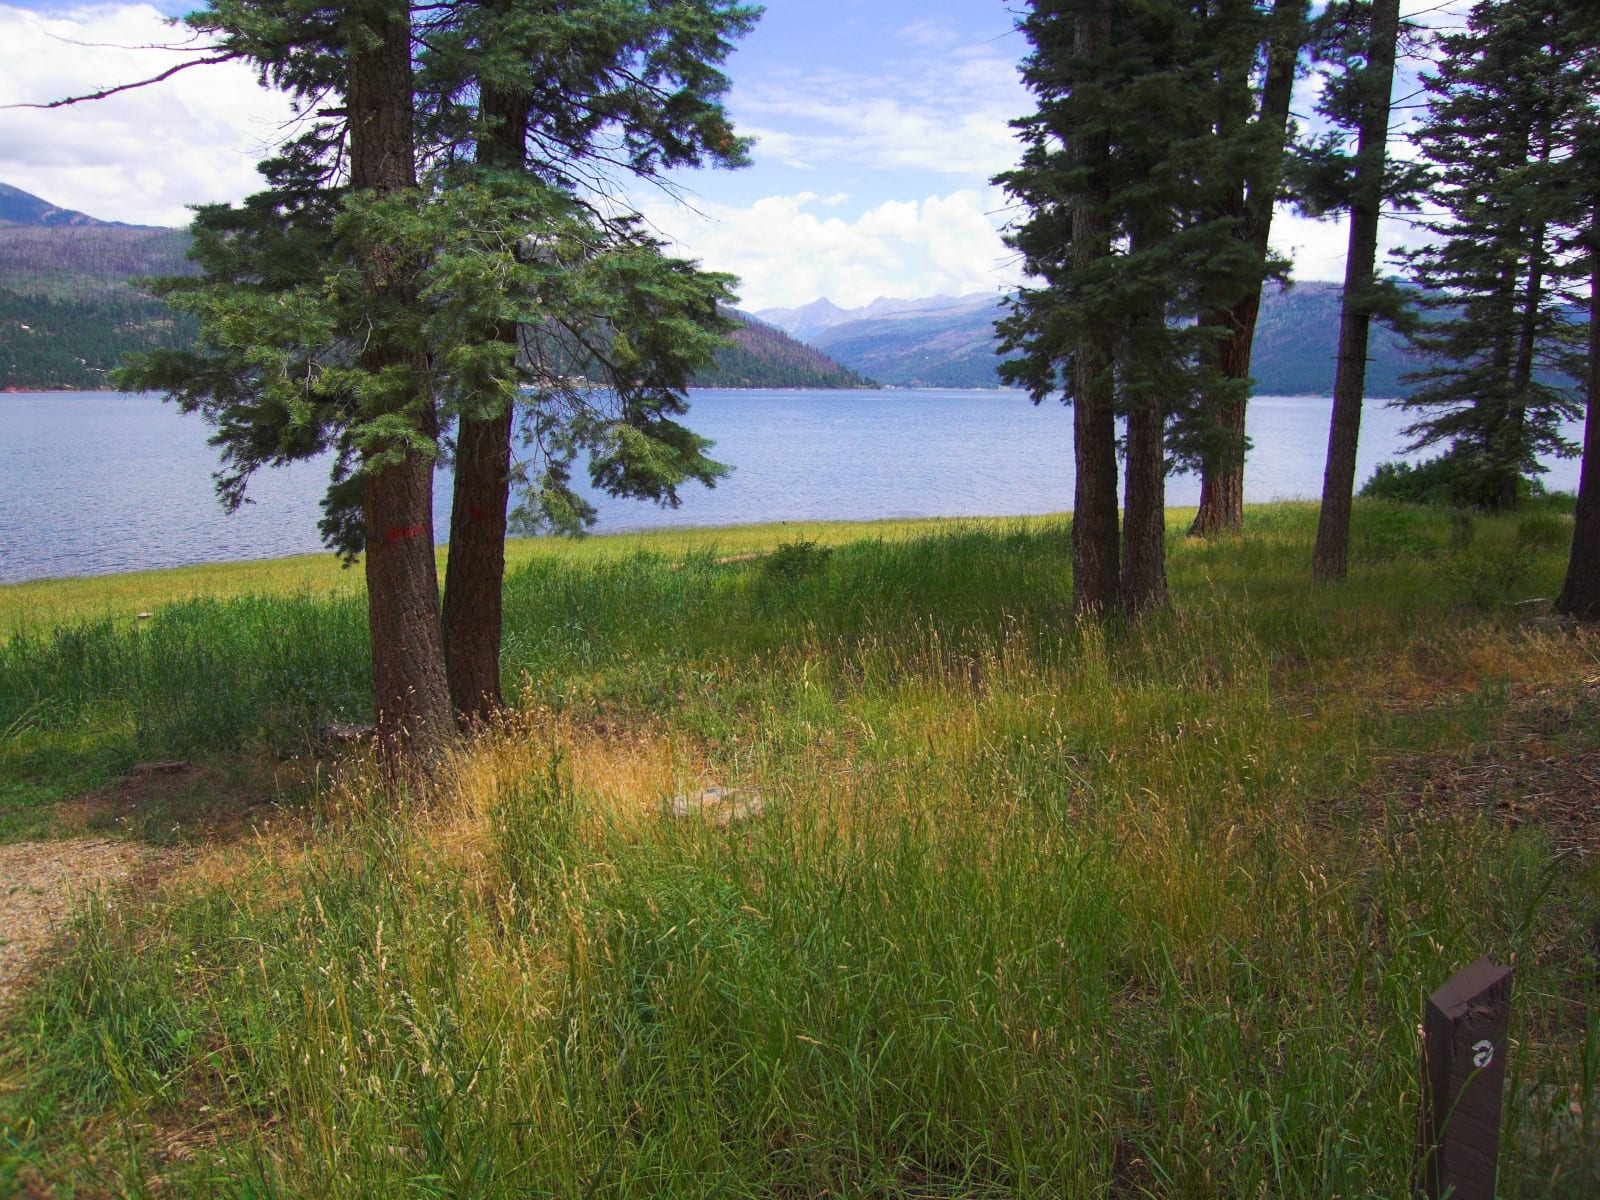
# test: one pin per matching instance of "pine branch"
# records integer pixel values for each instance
(128, 87)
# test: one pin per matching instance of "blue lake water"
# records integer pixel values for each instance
(97, 482)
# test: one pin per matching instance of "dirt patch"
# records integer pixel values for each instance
(168, 802)
(1541, 768)
(41, 881)
(154, 807)
(1559, 793)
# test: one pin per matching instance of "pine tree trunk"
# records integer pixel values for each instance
(1144, 518)
(1144, 510)
(1580, 594)
(410, 699)
(1331, 557)
(1514, 444)
(1096, 578)
(1095, 570)
(1222, 469)
(475, 571)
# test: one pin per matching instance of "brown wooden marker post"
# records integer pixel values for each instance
(1463, 1073)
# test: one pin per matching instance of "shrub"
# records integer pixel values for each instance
(797, 560)
(1455, 479)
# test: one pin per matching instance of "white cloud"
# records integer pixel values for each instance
(947, 113)
(1436, 14)
(786, 254)
(142, 156)
(1319, 248)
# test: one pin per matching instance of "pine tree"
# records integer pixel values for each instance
(1065, 341)
(410, 696)
(359, 317)
(567, 99)
(1580, 592)
(1122, 235)
(1504, 110)
(1365, 41)
(1256, 54)
(341, 341)
(319, 345)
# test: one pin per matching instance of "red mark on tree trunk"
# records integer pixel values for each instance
(391, 536)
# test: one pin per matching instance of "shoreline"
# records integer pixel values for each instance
(530, 546)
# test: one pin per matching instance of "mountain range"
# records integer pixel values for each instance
(18, 207)
(69, 311)
(942, 341)
(949, 341)
(811, 321)
(70, 308)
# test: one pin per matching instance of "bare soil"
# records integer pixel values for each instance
(1541, 768)
(148, 813)
(41, 881)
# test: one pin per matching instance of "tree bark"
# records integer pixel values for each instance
(474, 588)
(1096, 578)
(1331, 557)
(1515, 436)
(475, 571)
(1580, 594)
(1144, 517)
(1144, 508)
(1222, 468)
(410, 699)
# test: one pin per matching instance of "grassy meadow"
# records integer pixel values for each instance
(1033, 907)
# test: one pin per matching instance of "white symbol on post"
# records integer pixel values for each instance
(1482, 1053)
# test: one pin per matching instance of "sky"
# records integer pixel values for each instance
(878, 127)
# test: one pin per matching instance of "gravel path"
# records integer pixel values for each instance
(39, 882)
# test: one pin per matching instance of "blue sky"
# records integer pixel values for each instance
(881, 101)
(878, 127)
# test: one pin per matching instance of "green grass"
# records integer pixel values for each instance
(1035, 907)
(258, 655)
(49, 603)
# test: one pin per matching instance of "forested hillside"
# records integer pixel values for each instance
(72, 343)
(69, 311)
(1297, 339)
(69, 262)
(762, 356)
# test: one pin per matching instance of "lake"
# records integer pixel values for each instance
(97, 482)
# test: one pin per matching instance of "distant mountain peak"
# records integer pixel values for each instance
(18, 207)
(810, 320)
(807, 320)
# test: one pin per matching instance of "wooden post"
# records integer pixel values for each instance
(1463, 1072)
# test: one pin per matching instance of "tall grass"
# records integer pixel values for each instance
(82, 703)
(1034, 907)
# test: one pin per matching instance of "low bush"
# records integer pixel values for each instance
(1454, 479)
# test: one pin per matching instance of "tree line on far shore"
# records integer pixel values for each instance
(49, 344)
(72, 308)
